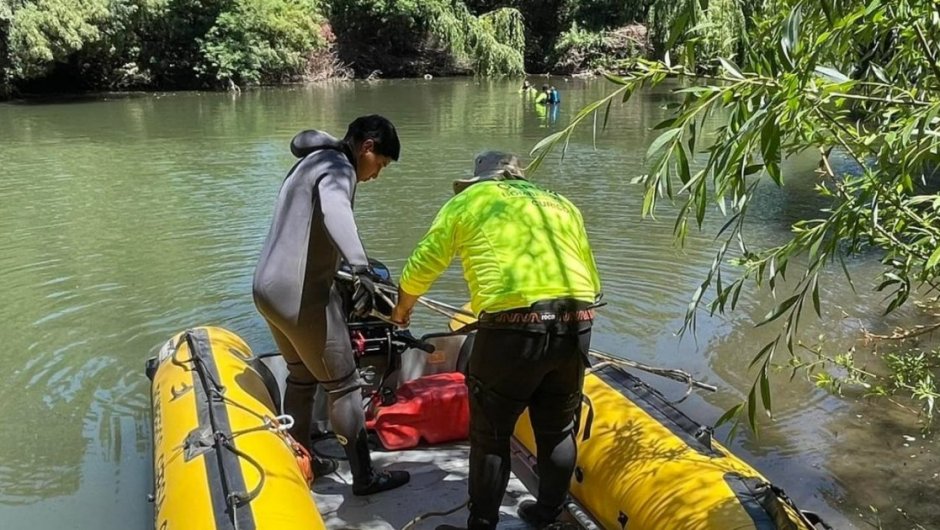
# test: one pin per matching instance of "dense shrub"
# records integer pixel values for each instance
(261, 41)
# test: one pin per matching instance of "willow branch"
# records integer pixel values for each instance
(927, 51)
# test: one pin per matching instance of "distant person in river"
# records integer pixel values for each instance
(548, 96)
(295, 289)
(527, 89)
(542, 97)
(533, 282)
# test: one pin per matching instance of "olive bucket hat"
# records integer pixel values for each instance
(492, 165)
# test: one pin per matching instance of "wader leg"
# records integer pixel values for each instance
(553, 410)
(492, 419)
(501, 380)
(316, 347)
(299, 399)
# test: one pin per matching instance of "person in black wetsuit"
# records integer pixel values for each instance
(295, 291)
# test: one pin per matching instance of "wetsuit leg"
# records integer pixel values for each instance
(553, 409)
(321, 342)
(320, 338)
(300, 389)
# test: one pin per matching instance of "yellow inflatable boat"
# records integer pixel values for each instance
(223, 461)
(642, 464)
(221, 458)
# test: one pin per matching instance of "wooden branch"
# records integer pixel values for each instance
(906, 334)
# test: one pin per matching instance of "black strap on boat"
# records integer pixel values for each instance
(761, 500)
(695, 435)
(225, 468)
(588, 422)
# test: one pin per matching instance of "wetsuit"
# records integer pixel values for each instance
(294, 290)
(532, 280)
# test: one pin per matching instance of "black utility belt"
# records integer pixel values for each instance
(527, 316)
(558, 315)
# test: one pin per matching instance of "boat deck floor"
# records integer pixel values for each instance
(438, 483)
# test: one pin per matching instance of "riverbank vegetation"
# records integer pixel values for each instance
(79, 45)
(856, 81)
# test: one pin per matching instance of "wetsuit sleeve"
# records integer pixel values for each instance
(434, 252)
(336, 190)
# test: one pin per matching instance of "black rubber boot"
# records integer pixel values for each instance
(384, 481)
(366, 480)
(537, 515)
(323, 466)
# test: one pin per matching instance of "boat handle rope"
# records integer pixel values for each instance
(236, 497)
(278, 424)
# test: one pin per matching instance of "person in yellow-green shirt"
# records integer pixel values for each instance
(533, 284)
(542, 97)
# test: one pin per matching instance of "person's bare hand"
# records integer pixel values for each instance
(400, 316)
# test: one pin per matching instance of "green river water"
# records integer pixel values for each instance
(126, 219)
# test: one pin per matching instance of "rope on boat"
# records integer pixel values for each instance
(411, 524)
(222, 440)
(454, 312)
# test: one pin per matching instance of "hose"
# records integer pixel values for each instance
(411, 524)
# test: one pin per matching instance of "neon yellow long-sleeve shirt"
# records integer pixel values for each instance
(518, 244)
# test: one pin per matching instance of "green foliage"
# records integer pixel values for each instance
(859, 78)
(548, 21)
(45, 31)
(707, 33)
(6, 15)
(544, 20)
(498, 42)
(579, 49)
(910, 371)
(261, 41)
(178, 43)
(172, 36)
(371, 31)
(605, 14)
